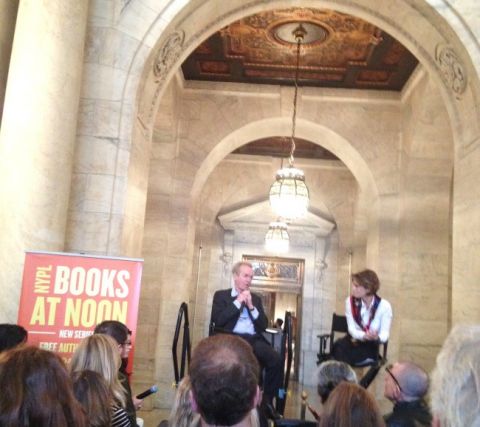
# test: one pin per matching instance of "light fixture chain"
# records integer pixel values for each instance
(294, 116)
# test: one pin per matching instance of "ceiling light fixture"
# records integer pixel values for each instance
(277, 239)
(289, 196)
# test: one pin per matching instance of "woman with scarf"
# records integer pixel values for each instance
(369, 318)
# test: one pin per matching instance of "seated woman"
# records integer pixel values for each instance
(36, 390)
(350, 405)
(99, 353)
(369, 318)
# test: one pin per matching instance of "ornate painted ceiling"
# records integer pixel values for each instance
(346, 52)
(350, 53)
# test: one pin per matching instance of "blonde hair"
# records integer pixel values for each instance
(99, 353)
(182, 414)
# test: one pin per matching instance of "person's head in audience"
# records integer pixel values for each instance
(455, 391)
(11, 335)
(36, 390)
(350, 405)
(405, 382)
(92, 392)
(224, 375)
(365, 282)
(330, 374)
(119, 332)
(278, 323)
(99, 353)
(182, 414)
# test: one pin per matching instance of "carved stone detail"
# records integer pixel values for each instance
(168, 54)
(452, 69)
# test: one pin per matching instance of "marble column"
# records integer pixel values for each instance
(8, 15)
(37, 135)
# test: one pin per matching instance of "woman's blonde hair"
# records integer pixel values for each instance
(182, 414)
(99, 353)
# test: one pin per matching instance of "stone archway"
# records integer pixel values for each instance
(173, 32)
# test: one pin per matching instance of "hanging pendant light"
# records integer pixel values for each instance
(277, 239)
(289, 196)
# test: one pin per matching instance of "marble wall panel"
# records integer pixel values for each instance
(99, 118)
(88, 232)
(95, 155)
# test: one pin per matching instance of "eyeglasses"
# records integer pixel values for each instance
(389, 371)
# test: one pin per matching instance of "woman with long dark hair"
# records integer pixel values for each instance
(36, 390)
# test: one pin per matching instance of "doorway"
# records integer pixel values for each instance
(279, 282)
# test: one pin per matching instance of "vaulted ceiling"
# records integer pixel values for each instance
(349, 53)
(339, 51)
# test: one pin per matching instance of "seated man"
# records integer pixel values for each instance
(239, 311)
(224, 380)
(406, 385)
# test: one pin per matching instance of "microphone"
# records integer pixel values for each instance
(146, 393)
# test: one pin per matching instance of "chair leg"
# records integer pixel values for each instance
(368, 378)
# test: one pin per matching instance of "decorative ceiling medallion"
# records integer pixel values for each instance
(452, 70)
(284, 33)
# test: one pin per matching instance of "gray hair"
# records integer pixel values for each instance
(455, 396)
(237, 265)
(330, 374)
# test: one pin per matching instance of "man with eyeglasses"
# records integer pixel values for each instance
(406, 385)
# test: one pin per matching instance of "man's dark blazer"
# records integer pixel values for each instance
(225, 313)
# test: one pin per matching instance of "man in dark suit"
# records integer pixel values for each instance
(239, 311)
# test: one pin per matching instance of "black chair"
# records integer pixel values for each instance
(340, 326)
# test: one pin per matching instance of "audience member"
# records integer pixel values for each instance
(224, 377)
(240, 311)
(99, 353)
(369, 318)
(329, 375)
(92, 392)
(406, 385)
(11, 335)
(350, 405)
(122, 335)
(182, 414)
(455, 393)
(36, 390)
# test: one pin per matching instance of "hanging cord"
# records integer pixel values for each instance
(299, 34)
